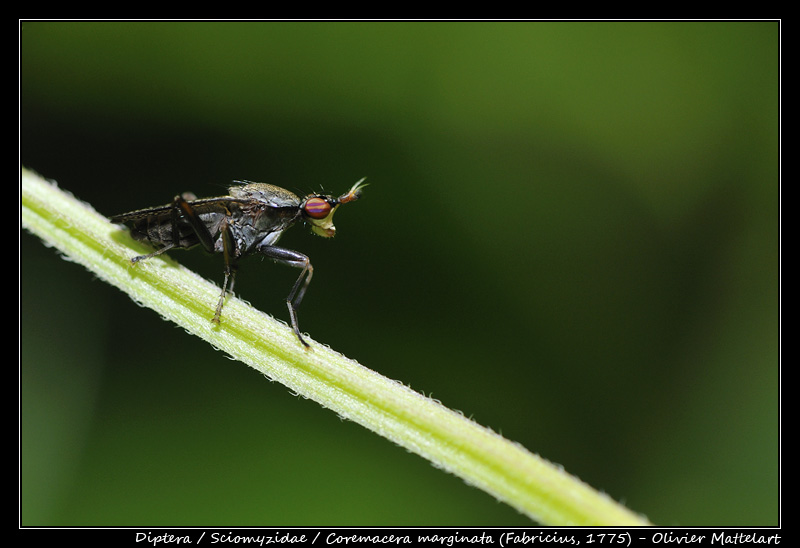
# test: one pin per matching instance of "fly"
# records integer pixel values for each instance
(251, 219)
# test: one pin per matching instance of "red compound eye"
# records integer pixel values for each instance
(317, 208)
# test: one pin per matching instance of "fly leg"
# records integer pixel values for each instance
(297, 260)
(183, 211)
(158, 251)
(229, 254)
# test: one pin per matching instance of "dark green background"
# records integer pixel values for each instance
(572, 235)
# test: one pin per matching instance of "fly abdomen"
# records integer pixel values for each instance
(163, 230)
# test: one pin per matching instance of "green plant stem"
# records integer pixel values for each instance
(450, 441)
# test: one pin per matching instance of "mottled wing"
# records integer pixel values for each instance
(167, 226)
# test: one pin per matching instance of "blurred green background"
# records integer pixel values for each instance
(572, 235)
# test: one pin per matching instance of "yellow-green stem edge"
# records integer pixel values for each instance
(506, 470)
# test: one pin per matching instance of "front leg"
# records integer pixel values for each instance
(297, 260)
